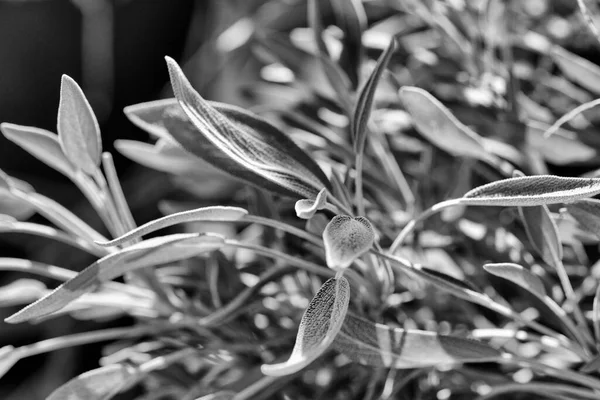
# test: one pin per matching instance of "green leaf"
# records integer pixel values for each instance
(306, 208)
(78, 129)
(346, 238)
(247, 140)
(98, 384)
(518, 275)
(205, 214)
(587, 213)
(438, 125)
(578, 69)
(41, 144)
(379, 345)
(155, 251)
(530, 191)
(319, 326)
(364, 103)
(542, 233)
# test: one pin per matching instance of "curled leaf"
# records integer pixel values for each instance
(379, 345)
(98, 384)
(319, 326)
(530, 191)
(346, 238)
(78, 129)
(306, 208)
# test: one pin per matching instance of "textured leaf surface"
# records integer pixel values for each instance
(247, 140)
(98, 384)
(438, 125)
(578, 69)
(532, 191)
(78, 129)
(155, 251)
(379, 345)
(518, 275)
(319, 326)
(306, 208)
(346, 238)
(587, 213)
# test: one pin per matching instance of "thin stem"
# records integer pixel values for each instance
(564, 374)
(340, 205)
(423, 216)
(358, 183)
(309, 237)
(569, 116)
(548, 388)
(251, 391)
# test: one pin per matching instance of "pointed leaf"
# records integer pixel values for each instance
(206, 214)
(530, 191)
(587, 213)
(98, 384)
(155, 251)
(347, 238)
(223, 395)
(518, 275)
(319, 326)
(542, 233)
(42, 144)
(379, 345)
(249, 141)
(364, 104)
(307, 208)
(78, 129)
(149, 116)
(438, 125)
(578, 69)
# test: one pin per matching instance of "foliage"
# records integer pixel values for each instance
(396, 222)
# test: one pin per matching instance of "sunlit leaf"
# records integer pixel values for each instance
(319, 326)
(306, 208)
(78, 129)
(248, 140)
(438, 125)
(532, 191)
(519, 276)
(346, 238)
(587, 213)
(98, 384)
(379, 345)
(578, 69)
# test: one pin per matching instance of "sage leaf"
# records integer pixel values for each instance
(149, 116)
(98, 384)
(379, 345)
(9, 356)
(530, 191)
(41, 144)
(542, 233)
(562, 148)
(578, 69)
(518, 275)
(587, 213)
(439, 126)
(155, 251)
(364, 103)
(78, 129)
(21, 291)
(306, 208)
(205, 214)
(319, 326)
(247, 140)
(223, 395)
(352, 18)
(346, 238)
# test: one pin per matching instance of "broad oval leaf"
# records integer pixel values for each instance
(98, 384)
(587, 213)
(530, 191)
(438, 125)
(207, 214)
(41, 144)
(78, 129)
(346, 238)
(247, 140)
(379, 345)
(578, 69)
(319, 326)
(155, 251)
(542, 233)
(306, 208)
(519, 276)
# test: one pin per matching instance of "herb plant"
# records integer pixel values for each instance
(392, 226)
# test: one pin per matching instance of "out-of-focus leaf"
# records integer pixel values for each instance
(224, 395)
(78, 129)
(587, 213)
(14, 206)
(247, 140)
(562, 148)
(519, 276)
(155, 251)
(306, 208)
(317, 224)
(364, 103)
(346, 238)
(8, 357)
(542, 233)
(150, 116)
(530, 191)
(379, 345)
(578, 69)
(21, 292)
(212, 214)
(98, 384)
(319, 326)
(351, 17)
(42, 144)
(438, 125)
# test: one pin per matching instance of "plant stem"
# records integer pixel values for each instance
(309, 237)
(564, 374)
(359, 196)
(539, 388)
